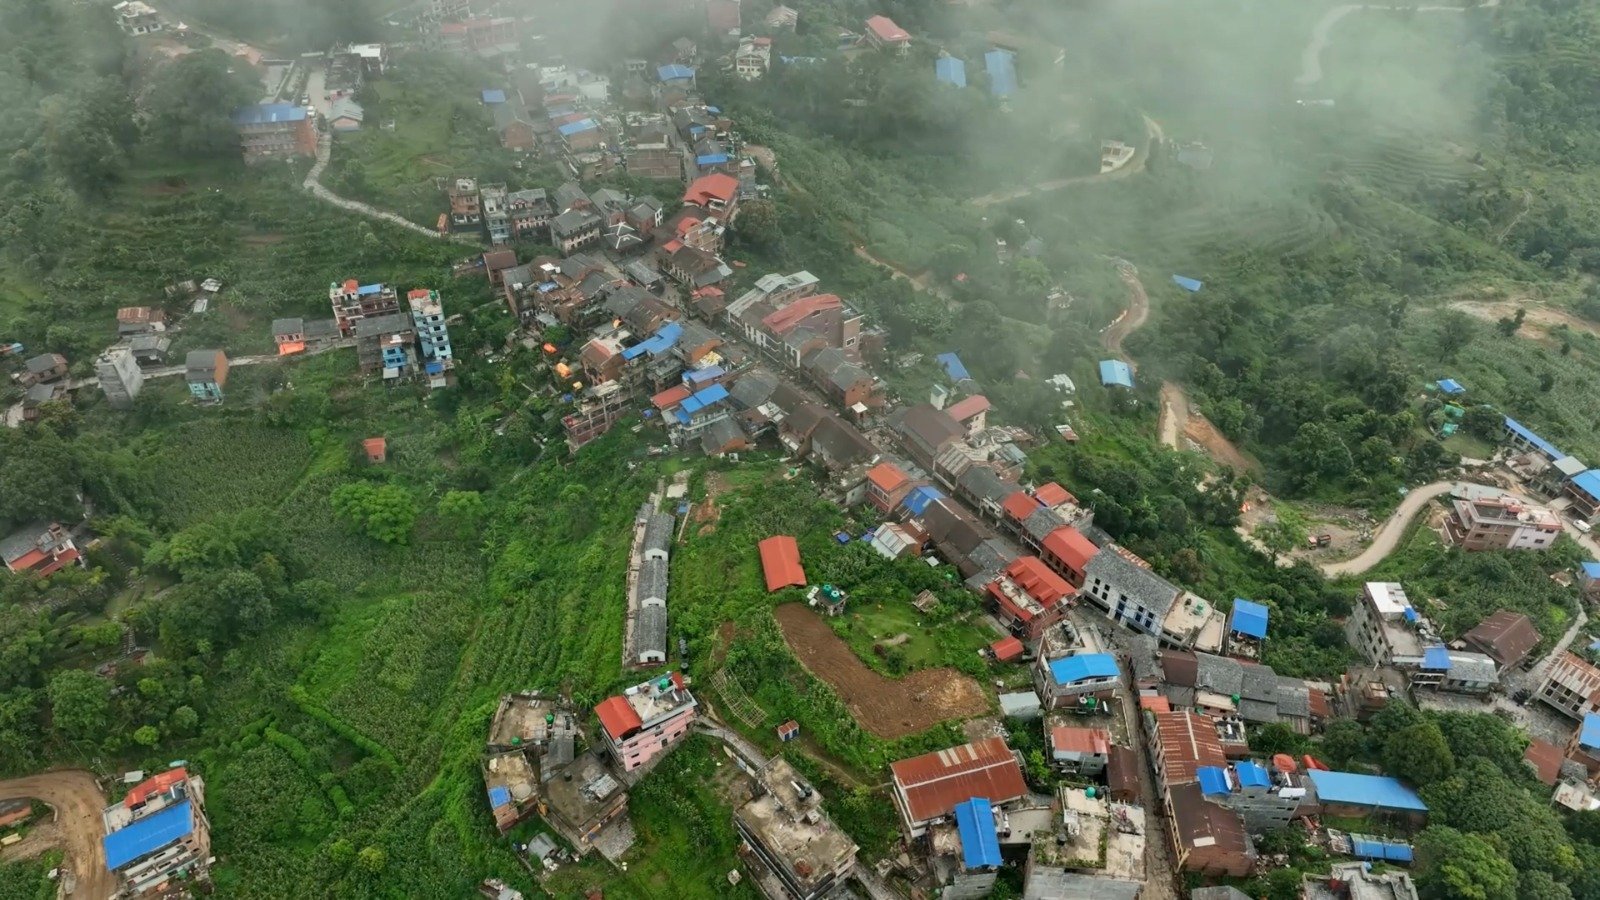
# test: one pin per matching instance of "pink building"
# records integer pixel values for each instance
(642, 723)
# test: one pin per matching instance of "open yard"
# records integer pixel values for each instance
(886, 707)
(898, 624)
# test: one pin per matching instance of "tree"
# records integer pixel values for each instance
(1453, 865)
(1343, 742)
(1484, 421)
(385, 513)
(191, 102)
(463, 511)
(1419, 754)
(184, 720)
(758, 224)
(80, 704)
(147, 735)
(372, 860)
(88, 134)
(1454, 331)
(1533, 884)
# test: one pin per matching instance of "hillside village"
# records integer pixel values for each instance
(1121, 736)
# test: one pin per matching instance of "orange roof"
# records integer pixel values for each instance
(149, 787)
(289, 348)
(1156, 703)
(1067, 739)
(886, 30)
(670, 397)
(375, 445)
(1070, 546)
(688, 223)
(618, 717)
(417, 294)
(1545, 758)
(672, 246)
(965, 409)
(1006, 649)
(887, 477)
(1032, 575)
(706, 188)
(934, 783)
(351, 286)
(782, 321)
(28, 560)
(1019, 506)
(780, 562)
(1052, 494)
(711, 291)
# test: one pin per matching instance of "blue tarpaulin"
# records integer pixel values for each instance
(147, 835)
(1365, 846)
(1249, 618)
(920, 497)
(1589, 733)
(711, 159)
(1252, 775)
(556, 112)
(1451, 386)
(1436, 659)
(1072, 669)
(1116, 372)
(1411, 614)
(950, 70)
(953, 367)
(494, 96)
(657, 343)
(578, 127)
(714, 110)
(367, 289)
(268, 113)
(1591, 570)
(1376, 791)
(1212, 780)
(980, 844)
(702, 399)
(1189, 284)
(498, 797)
(1002, 68)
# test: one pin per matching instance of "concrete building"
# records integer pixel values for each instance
(39, 549)
(965, 854)
(1123, 586)
(270, 131)
(136, 17)
(495, 207)
(352, 301)
(1084, 751)
(1572, 686)
(928, 788)
(1268, 798)
(119, 375)
(883, 34)
(645, 721)
(158, 835)
(1028, 598)
(804, 855)
(1506, 637)
(466, 204)
(206, 372)
(1386, 628)
(433, 336)
(1357, 881)
(386, 344)
(1501, 523)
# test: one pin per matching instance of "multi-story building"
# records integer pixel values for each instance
(433, 335)
(887, 483)
(275, 131)
(1572, 686)
(1085, 751)
(136, 17)
(883, 34)
(600, 407)
(928, 788)
(39, 549)
(1386, 628)
(353, 301)
(386, 344)
(804, 855)
(1123, 586)
(119, 375)
(158, 834)
(1268, 798)
(1501, 523)
(753, 58)
(206, 371)
(496, 210)
(1206, 837)
(1063, 676)
(642, 723)
(1028, 598)
(574, 230)
(529, 212)
(466, 205)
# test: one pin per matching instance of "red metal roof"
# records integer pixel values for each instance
(1156, 703)
(932, 784)
(670, 397)
(65, 558)
(782, 321)
(1080, 740)
(966, 409)
(375, 446)
(1052, 494)
(887, 477)
(1070, 546)
(1188, 742)
(716, 186)
(417, 294)
(1032, 575)
(618, 717)
(780, 562)
(672, 246)
(886, 30)
(1545, 758)
(150, 787)
(1019, 506)
(1006, 649)
(686, 224)
(28, 560)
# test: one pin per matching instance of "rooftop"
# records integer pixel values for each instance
(1083, 667)
(529, 719)
(934, 783)
(1377, 791)
(786, 816)
(1248, 618)
(147, 835)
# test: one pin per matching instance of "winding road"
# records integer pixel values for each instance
(313, 183)
(1311, 56)
(1153, 135)
(74, 827)
(1388, 537)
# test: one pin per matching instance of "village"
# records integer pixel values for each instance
(1145, 695)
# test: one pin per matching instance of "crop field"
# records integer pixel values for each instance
(220, 467)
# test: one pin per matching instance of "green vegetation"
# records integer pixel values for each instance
(29, 879)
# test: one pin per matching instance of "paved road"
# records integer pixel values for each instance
(1388, 537)
(75, 827)
(1311, 56)
(1153, 134)
(313, 184)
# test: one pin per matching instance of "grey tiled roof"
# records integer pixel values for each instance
(1294, 698)
(658, 532)
(1041, 521)
(291, 325)
(719, 435)
(1218, 673)
(1260, 683)
(650, 632)
(1472, 667)
(1146, 587)
(1258, 711)
(652, 583)
(753, 388)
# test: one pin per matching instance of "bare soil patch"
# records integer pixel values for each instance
(708, 513)
(1539, 323)
(886, 708)
(264, 239)
(75, 826)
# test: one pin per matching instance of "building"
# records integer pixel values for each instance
(753, 58)
(1247, 628)
(1084, 751)
(1571, 686)
(39, 549)
(928, 788)
(584, 802)
(530, 213)
(345, 115)
(1500, 523)
(516, 132)
(796, 842)
(133, 320)
(206, 371)
(1357, 881)
(883, 34)
(1584, 745)
(574, 230)
(645, 721)
(466, 204)
(717, 193)
(1206, 837)
(353, 301)
(1028, 598)
(780, 562)
(1584, 489)
(275, 131)
(1505, 637)
(1067, 552)
(1062, 681)
(965, 854)
(1352, 795)
(119, 376)
(1386, 628)
(43, 369)
(433, 335)
(386, 344)
(158, 837)
(135, 17)
(1126, 590)
(150, 349)
(600, 407)
(1268, 798)
(782, 18)
(950, 70)
(495, 206)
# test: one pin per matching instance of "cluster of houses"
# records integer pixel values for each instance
(157, 838)
(1545, 468)
(999, 64)
(400, 344)
(1571, 686)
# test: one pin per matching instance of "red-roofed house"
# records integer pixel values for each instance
(972, 413)
(1053, 495)
(883, 33)
(1067, 552)
(780, 562)
(670, 397)
(718, 193)
(929, 787)
(377, 449)
(1006, 649)
(1018, 507)
(783, 321)
(150, 787)
(1029, 598)
(39, 549)
(1082, 750)
(1545, 759)
(887, 485)
(646, 720)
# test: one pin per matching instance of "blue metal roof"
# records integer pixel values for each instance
(1212, 780)
(1365, 846)
(953, 367)
(492, 95)
(1396, 852)
(1451, 386)
(1072, 669)
(674, 72)
(147, 835)
(578, 127)
(980, 844)
(1115, 372)
(709, 373)
(950, 70)
(1589, 732)
(1588, 482)
(1189, 284)
(1252, 774)
(1377, 791)
(920, 497)
(268, 113)
(711, 159)
(1002, 68)
(368, 289)
(699, 400)
(1249, 617)
(1410, 614)
(657, 343)
(498, 797)
(715, 111)
(1520, 430)
(1591, 569)
(1436, 659)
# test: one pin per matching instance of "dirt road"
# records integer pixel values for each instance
(75, 827)
(1388, 537)
(1311, 56)
(1153, 134)
(1132, 318)
(313, 183)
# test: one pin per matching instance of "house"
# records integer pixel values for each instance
(345, 115)
(133, 320)
(1266, 798)
(650, 635)
(1522, 438)
(950, 70)
(780, 562)
(1083, 751)
(386, 344)
(1126, 590)
(1116, 373)
(1545, 759)
(274, 131)
(598, 408)
(580, 136)
(722, 437)
(1353, 795)
(693, 268)
(493, 199)
(295, 335)
(158, 834)
(972, 413)
(529, 213)
(928, 788)
(1063, 681)
(925, 432)
(753, 58)
(717, 193)
(1247, 628)
(1583, 747)
(119, 376)
(1500, 523)
(1386, 628)
(641, 724)
(1028, 598)
(1067, 552)
(496, 262)
(887, 485)
(842, 381)
(433, 335)
(1206, 837)
(136, 17)
(1571, 686)
(206, 371)
(883, 34)
(39, 549)
(792, 836)
(1505, 637)
(585, 802)
(466, 204)
(574, 230)
(150, 349)
(43, 369)
(352, 301)
(782, 18)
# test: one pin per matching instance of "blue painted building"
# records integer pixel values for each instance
(206, 372)
(1116, 373)
(433, 336)
(950, 70)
